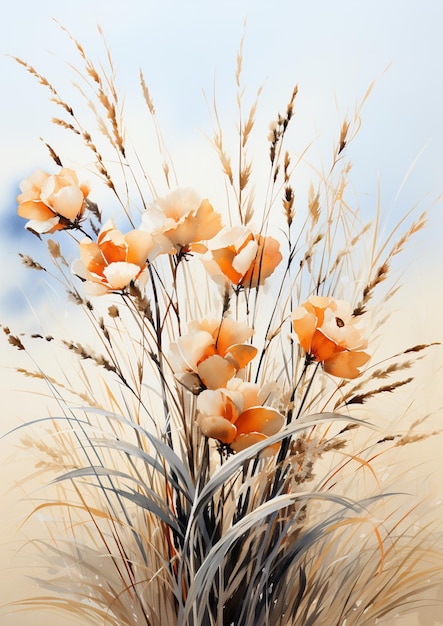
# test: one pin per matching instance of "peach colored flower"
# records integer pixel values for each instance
(236, 416)
(329, 333)
(183, 219)
(212, 352)
(243, 258)
(115, 260)
(52, 202)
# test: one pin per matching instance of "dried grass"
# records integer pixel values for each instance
(152, 523)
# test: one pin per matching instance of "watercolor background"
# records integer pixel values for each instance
(333, 50)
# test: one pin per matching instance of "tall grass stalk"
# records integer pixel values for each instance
(218, 450)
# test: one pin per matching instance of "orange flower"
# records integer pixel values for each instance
(115, 260)
(183, 219)
(243, 258)
(236, 416)
(212, 352)
(52, 202)
(329, 333)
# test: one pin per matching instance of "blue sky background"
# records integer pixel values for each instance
(332, 50)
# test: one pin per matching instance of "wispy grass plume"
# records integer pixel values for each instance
(219, 448)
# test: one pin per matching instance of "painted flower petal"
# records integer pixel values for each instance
(240, 355)
(92, 258)
(46, 227)
(120, 274)
(195, 347)
(345, 364)
(224, 259)
(245, 257)
(229, 333)
(95, 288)
(219, 428)
(78, 269)
(46, 196)
(208, 221)
(32, 185)
(211, 402)
(107, 227)
(114, 260)
(266, 260)
(245, 394)
(198, 248)
(68, 202)
(319, 304)
(181, 217)
(304, 324)
(323, 348)
(342, 327)
(264, 420)
(329, 332)
(232, 237)
(140, 245)
(247, 440)
(179, 203)
(34, 210)
(215, 371)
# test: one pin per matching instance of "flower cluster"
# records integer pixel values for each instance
(237, 416)
(212, 352)
(181, 220)
(244, 258)
(212, 358)
(220, 381)
(114, 260)
(330, 334)
(52, 202)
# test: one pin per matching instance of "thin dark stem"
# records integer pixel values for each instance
(280, 471)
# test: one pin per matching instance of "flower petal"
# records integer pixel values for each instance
(319, 304)
(107, 227)
(140, 245)
(32, 185)
(230, 332)
(208, 221)
(194, 348)
(266, 260)
(240, 355)
(34, 210)
(68, 202)
(215, 371)
(92, 257)
(260, 419)
(182, 217)
(304, 324)
(323, 348)
(245, 441)
(346, 364)
(48, 226)
(120, 274)
(224, 259)
(46, 196)
(211, 402)
(244, 259)
(92, 288)
(218, 427)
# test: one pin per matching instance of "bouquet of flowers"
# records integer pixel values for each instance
(217, 455)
